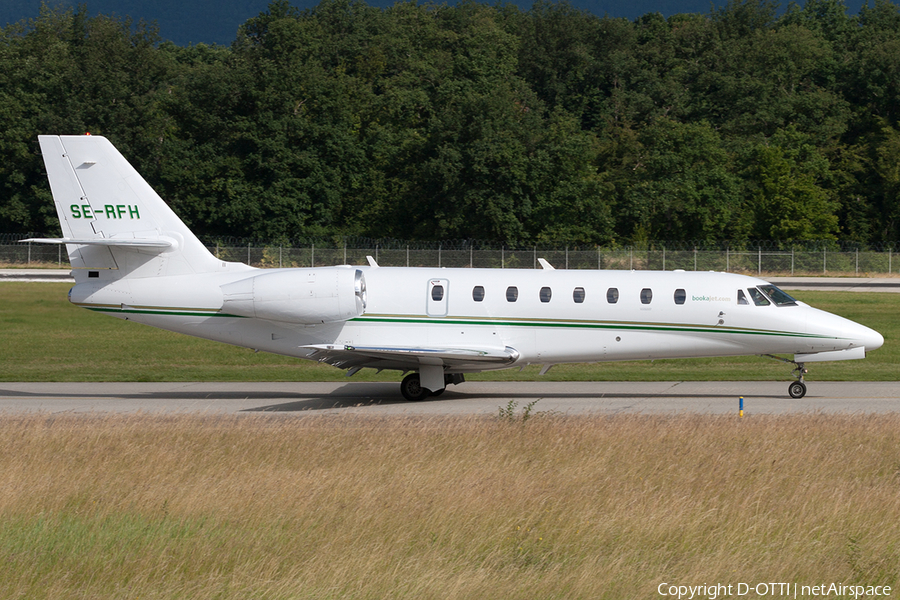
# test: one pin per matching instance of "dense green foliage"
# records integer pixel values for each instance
(451, 122)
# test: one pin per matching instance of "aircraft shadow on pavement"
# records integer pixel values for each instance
(361, 397)
(354, 396)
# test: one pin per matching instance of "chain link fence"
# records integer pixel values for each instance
(820, 258)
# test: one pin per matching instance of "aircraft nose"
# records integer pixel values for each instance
(874, 340)
(871, 339)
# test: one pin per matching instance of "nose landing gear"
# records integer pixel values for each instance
(796, 389)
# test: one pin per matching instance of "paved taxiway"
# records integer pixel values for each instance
(470, 398)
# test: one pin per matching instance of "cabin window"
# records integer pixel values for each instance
(478, 293)
(680, 296)
(545, 294)
(742, 298)
(437, 293)
(777, 296)
(646, 296)
(612, 295)
(758, 298)
(512, 293)
(578, 295)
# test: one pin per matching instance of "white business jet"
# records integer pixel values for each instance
(133, 258)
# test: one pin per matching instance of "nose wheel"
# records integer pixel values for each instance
(796, 389)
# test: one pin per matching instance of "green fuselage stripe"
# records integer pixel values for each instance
(613, 325)
(187, 312)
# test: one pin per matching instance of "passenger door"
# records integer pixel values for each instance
(436, 302)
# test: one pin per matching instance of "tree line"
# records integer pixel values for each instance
(435, 122)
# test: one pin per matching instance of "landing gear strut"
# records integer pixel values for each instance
(797, 389)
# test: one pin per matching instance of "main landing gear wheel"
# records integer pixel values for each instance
(797, 389)
(411, 388)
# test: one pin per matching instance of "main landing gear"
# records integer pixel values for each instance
(412, 389)
(796, 389)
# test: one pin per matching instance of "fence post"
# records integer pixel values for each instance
(312, 255)
(440, 245)
(695, 259)
(824, 261)
(727, 260)
(857, 261)
(471, 252)
(534, 257)
(29, 253)
(280, 261)
(502, 257)
(664, 258)
(567, 257)
(407, 255)
(248, 254)
(345, 252)
(59, 255)
(792, 261)
(759, 261)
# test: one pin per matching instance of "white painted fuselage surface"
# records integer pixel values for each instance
(401, 313)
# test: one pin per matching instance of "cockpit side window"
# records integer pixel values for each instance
(758, 298)
(778, 297)
(742, 298)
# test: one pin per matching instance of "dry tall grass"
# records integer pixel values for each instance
(337, 507)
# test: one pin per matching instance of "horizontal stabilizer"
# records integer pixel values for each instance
(131, 242)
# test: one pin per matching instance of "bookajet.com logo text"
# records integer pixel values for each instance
(710, 299)
(772, 590)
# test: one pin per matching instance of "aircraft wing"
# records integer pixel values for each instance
(394, 357)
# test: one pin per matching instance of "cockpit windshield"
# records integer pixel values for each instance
(778, 297)
(759, 298)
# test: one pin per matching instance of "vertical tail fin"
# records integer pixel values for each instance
(111, 218)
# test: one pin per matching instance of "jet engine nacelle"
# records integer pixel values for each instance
(305, 296)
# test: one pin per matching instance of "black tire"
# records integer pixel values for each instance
(797, 389)
(411, 388)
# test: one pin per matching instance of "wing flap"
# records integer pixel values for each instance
(347, 356)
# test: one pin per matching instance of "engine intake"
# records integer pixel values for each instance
(304, 296)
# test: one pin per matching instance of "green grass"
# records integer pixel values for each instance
(44, 338)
